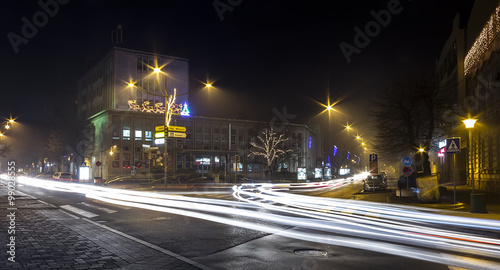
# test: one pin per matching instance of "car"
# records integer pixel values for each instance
(44, 175)
(63, 176)
(374, 182)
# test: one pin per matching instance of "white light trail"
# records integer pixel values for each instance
(322, 217)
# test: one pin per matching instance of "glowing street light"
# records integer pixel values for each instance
(469, 125)
(169, 101)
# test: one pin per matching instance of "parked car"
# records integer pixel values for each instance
(63, 176)
(45, 175)
(374, 182)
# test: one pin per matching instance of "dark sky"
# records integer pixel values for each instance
(263, 55)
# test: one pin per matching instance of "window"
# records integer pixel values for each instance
(126, 129)
(126, 134)
(148, 135)
(138, 135)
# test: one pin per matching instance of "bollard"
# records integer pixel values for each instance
(478, 203)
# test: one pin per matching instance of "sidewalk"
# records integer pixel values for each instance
(49, 238)
(463, 202)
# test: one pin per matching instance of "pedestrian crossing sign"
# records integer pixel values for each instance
(453, 145)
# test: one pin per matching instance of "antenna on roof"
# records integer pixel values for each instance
(117, 35)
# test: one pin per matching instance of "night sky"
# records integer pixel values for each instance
(260, 55)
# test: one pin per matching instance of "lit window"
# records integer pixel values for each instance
(126, 134)
(148, 134)
(138, 134)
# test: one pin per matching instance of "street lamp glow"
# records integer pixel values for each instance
(469, 123)
(329, 107)
(421, 150)
(157, 70)
(357, 137)
(208, 85)
(131, 84)
(7, 126)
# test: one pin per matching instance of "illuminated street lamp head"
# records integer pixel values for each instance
(111, 152)
(208, 85)
(11, 121)
(1, 135)
(421, 150)
(131, 84)
(329, 107)
(157, 70)
(469, 123)
(7, 126)
(357, 137)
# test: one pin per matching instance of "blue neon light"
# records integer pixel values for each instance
(185, 110)
(334, 150)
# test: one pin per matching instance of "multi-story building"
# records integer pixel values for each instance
(121, 122)
(451, 82)
(481, 98)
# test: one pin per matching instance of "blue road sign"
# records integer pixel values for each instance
(407, 161)
(373, 157)
(453, 145)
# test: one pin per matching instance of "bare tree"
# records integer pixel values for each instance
(407, 116)
(56, 144)
(5, 149)
(268, 146)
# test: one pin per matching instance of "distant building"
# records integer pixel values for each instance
(120, 124)
(451, 82)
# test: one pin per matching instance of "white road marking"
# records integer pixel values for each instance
(104, 209)
(79, 211)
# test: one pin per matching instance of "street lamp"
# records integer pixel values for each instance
(169, 101)
(469, 125)
(477, 200)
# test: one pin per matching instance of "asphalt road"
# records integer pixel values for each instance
(223, 246)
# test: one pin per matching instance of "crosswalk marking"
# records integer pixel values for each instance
(104, 209)
(79, 211)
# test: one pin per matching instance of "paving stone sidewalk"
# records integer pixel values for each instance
(49, 238)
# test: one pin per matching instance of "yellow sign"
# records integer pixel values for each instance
(177, 134)
(160, 134)
(177, 128)
(160, 128)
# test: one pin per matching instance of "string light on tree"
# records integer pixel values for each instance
(268, 146)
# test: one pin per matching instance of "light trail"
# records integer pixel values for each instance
(362, 224)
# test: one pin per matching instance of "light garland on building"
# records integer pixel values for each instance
(177, 109)
(488, 34)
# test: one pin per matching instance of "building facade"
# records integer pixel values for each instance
(481, 99)
(468, 73)
(121, 124)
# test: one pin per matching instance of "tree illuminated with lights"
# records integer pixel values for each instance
(269, 145)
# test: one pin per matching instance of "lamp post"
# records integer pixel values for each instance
(469, 125)
(169, 101)
(477, 200)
